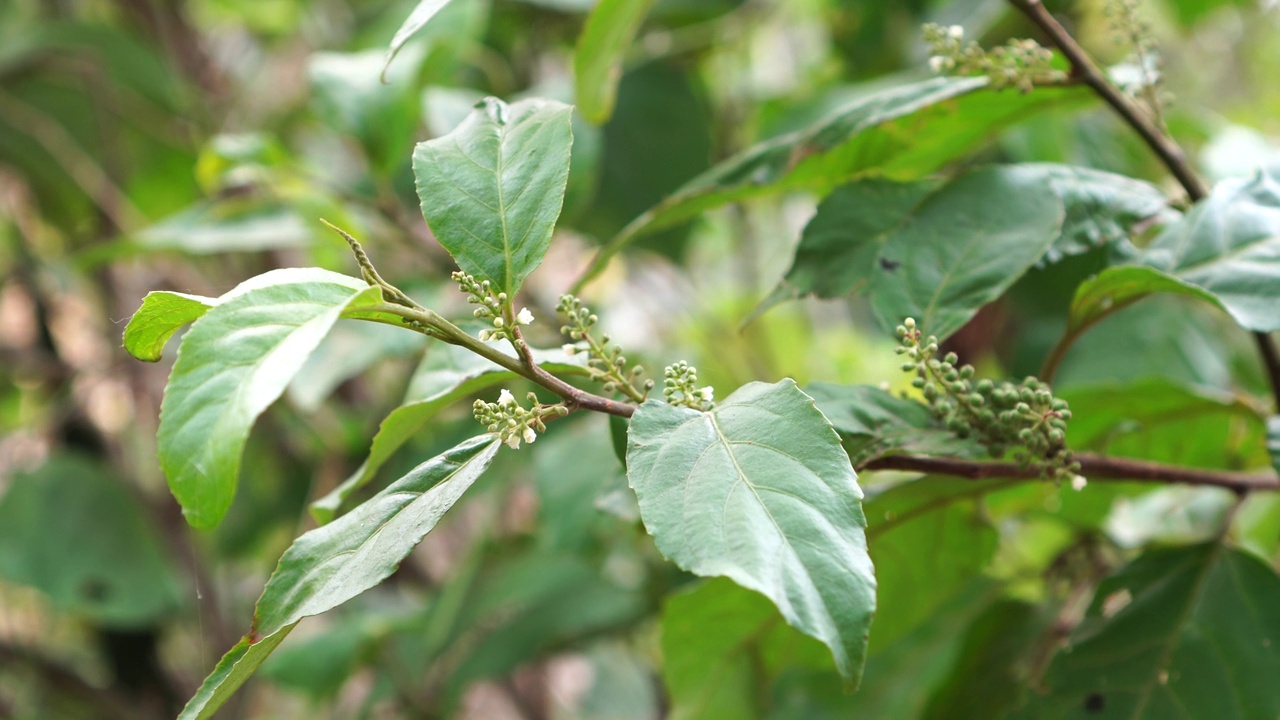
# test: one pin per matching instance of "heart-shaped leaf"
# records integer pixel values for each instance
(492, 189)
(760, 491)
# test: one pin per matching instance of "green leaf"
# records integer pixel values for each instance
(232, 225)
(162, 314)
(448, 374)
(1229, 245)
(597, 62)
(1119, 287)
(230, 673)
(492, 189)
(760, 491)
(876, 423)
(1273, 440)
(421, 15)
(933, 251)
(1187, 632)
(928, 540)
(722, 646)
(233, 363)
(988, 674)
(904, 131)
(333, 564)
(349, 350)
(71, 530)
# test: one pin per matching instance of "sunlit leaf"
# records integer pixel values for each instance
(492, 189)
(234, 362)
(162, 314)
(760, 491)
(421, 15)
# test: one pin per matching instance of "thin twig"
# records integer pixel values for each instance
(1093, 467)
(1156, 138)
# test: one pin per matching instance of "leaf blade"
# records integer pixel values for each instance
(493, 188)
(799, 494)
(161, 315)
(418, 19)
(236, 360)
(597, 61)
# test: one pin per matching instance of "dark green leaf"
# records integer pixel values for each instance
(233, 363)
(1229, 245)
(760, 491)
(597, 63)
(933, 251)
(71, 531)
(162, 314)
(492, 189)
(904, 131)
(1102, 208)
(991, 669)
(1185, 632)
(876, 423)
(421, 15)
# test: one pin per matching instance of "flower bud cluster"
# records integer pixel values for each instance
(605, 362)
(680, 387)
(1023, 417)
(492, 307)
(1019, 63)
(513, 423)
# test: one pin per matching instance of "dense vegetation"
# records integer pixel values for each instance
(639, 359)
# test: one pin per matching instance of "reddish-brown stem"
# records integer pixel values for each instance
(1093, 467)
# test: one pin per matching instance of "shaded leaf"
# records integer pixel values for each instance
(233, 363)
(1185, 632)
(933, 251)
(1118, 287)
(597, 62)
(1102, 208)
(332, 564)
(162, 314)
(876, 423)
(760, 491)
(904, 131)
(71, 531)
(492, 189)
(220, 226)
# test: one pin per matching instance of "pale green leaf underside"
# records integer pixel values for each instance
(333, 564)
(1198, 638)
(232, 364)
(1119, 287)
(597, 62)
(760, 491)
(492, 189)
(162, 314)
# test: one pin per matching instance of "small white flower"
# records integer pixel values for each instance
(513, 442)
(707, 393)
(529, 435)
(937, 63)
(1078, 482)
(506, 398)
(955, 31)
(569, 348)
(484, 335)
(524, 317)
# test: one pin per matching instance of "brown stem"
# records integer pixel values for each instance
(573, 396)
(1083, 67)
(1093, 467)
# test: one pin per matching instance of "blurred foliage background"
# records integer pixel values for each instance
(190, 144)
